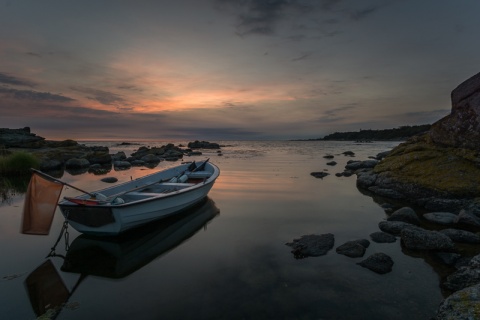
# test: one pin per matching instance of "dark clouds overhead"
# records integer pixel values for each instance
(232, 68)
(11, 80)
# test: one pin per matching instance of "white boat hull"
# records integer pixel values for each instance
(155, 201)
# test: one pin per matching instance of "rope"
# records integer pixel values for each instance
(63, 231)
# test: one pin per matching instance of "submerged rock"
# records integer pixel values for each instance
(312, 245)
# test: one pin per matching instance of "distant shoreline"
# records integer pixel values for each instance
(397, 134)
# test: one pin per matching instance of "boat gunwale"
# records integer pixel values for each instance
(65, 203)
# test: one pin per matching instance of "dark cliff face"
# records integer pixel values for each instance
(461, 128)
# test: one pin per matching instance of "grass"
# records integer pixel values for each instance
(18, 163)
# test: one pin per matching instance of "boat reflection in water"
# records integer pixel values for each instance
(120, 256)
(113, 257)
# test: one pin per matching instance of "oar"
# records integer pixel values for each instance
(201, 166)
(46, 176)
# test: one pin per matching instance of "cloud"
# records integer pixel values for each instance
(104, 97)
(260, 16)
(11, 80)
(32, 95)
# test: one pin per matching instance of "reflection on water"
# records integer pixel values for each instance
(113, 257)
(119, 257)
(240, 268)
(12, 186)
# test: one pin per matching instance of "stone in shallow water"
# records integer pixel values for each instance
(420, 239)
(353, 249)
(312, 245)
(405, 214)
(110, 179)
(378, 262)
(382, 237)
(320, 175)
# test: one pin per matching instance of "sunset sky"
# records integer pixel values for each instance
(231, 69)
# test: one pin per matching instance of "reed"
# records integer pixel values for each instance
(18, 163)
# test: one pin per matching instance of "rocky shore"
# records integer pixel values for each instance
(429, 187)
(77, 158)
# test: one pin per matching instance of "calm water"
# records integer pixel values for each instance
(227, 259)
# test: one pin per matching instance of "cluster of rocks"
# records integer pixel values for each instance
(438, 172)
(78, 158)
(313, 245)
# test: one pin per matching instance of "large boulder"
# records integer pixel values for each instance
(461, 128)
(18, 138)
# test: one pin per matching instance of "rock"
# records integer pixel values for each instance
(394, 227)
(466, 218)
(119, 156)
(443, 163)
(331, 163)
(349, 153)
(361, 164)
(448, 258)
(366, 179)
(461, 305)
(353, 249)
(382, 237)
(387, 192)
(203, 145)
(461, 235)
(18, 138)
(378, 262)
(443, 205)
(99, 155)
(328, 156)
(150, 158)
(320, 175)
(420, 239)
(382, 155)
(122, 164)
(444, 218)
(462, 278)
(312, 245)
(50, 164)
(138, 163)
(110, 180)
(77, 163)
(461, 128)
(405, 214)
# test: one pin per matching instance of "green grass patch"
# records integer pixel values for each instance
(18, 163)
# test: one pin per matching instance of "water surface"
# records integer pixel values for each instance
(234, 264)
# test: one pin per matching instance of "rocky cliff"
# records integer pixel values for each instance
(440, 167)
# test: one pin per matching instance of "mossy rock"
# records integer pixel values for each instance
(444, 170)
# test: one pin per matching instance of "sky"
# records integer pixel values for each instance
(231, 69)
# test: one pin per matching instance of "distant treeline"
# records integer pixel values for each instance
(400, 133)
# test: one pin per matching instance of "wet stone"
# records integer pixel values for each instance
(378, 262)
(382, 237)
(312, 245)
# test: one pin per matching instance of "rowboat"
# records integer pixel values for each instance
(125, 206)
